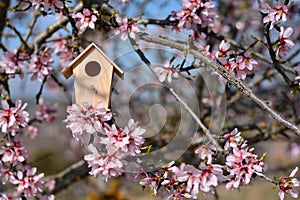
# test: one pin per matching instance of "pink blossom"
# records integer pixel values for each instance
(11, 119)
(211, 176)
(152, 182)
(123, 1)
(233, 68)
(45, 112)
(233, 139)
(245, 61)
(46, 5)
(188, 19)
(275, 14)
(116, 140)
(13, 63)
(167, 72)
(125, 142)
(29, 183)
(63, 49)
(190, 175)
(6, 174)
(287, 185)
(31, 131)
(85, 19)
(136, 140)
(191, 4)
(223, 49)
(8, 196)
(87, 119)
(284, 43)
(109, 166)
(13, 152)
(41, 64)
(127, 28)
(293, 150)
(195, 12)
(242, 164)
(205, 153)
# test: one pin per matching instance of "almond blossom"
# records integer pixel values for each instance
(287, 185)
(109, 166)
(13, 118)
(29, 183)
(13, 153)
(195, 12)
(85, 19)
(167, 72)
(127, 27)
(123, 1)
(223, 49)
(45, 112)
(284, 44)
(13, 62)
(242, 164)
(187, 19)
(41, 64)
(46, 5)
(279, 12)
(245, 61)
(63, 49)
(87, 119)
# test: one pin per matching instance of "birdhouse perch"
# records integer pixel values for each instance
(93, 74)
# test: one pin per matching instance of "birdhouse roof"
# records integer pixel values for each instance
(68, 71)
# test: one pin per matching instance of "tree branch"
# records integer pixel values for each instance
(177, 97)
(41, 38)
(227, 75)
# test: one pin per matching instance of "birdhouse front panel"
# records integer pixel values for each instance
(93, 78)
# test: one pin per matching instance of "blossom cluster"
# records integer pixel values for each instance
(238, 65)
(63, 49)
(195, 12)
(111, 144)
(46, 5)
(85, 19)
(287, 185)
(273, 17)
(167, 72)
(13, 118)
(45, 112)
(187, 181)
(14, 168)
(17, 62)
(13, 63)
(128, 27)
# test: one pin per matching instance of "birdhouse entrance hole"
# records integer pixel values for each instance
(92, 68)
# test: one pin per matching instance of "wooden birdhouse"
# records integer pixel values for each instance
(93, 74)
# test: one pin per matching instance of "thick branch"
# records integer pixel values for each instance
(222, 71)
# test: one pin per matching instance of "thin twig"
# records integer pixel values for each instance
(227, 75)
(9, 25)
(74, 172)
(39, 94)
(177, 97)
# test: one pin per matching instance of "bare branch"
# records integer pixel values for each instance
(227, 75)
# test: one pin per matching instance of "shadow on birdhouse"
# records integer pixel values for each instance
(93, 74)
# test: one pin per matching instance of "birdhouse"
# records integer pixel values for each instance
(93, 74)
